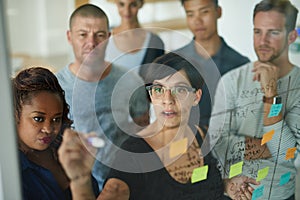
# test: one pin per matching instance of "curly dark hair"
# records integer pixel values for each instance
(30, 82)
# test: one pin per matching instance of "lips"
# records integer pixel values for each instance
(169, 113)
(199, 29)
(46, 140)
(264, 49)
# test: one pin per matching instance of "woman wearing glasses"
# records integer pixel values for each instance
(164, 160)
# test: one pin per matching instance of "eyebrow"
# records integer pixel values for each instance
(199, 9)
(273, 29)
(42, 113)
(179, 83)
(82, 30)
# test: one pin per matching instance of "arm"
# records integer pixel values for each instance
(284, 137)
(228, 146)
(76, 157)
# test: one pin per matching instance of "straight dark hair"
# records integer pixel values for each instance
(216, 2)
(171, 63)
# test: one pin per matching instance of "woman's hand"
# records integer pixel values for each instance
(115, 189)
(76, 155)
(238, 187)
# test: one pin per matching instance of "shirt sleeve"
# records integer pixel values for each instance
(226, 145)
(286, 136)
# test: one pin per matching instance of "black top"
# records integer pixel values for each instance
(159, 184)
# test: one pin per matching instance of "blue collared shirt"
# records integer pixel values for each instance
(211, 70)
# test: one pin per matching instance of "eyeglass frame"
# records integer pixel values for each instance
(189, 89)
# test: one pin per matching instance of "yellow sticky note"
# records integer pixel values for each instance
(236, 169)
(199, 174)
(262, 173)
(267, 137)
(290, 153)
(178, 147)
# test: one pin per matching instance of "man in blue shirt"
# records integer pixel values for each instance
(208, 49)
(101, 95)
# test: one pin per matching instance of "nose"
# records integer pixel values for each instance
(168, 98)
(198, 18)
(127, 10)
(48, 127)
(92, 41)
(264, 38)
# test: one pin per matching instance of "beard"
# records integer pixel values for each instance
(272, 53)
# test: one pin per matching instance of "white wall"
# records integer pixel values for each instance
(235, 25)
(38, 27)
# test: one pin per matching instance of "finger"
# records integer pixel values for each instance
(69, 134)
(114, 189)
(252, 181)
(250, 189)
(257, 75)
(255, 65)
(246, 193)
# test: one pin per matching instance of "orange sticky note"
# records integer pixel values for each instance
(236, 169)
(267, 137)
(178, 147)
(290, 153)
(199, 174)
(262, 173)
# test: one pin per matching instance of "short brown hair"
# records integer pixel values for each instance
(282, 6)
(88, 10)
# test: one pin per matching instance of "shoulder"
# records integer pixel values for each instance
(155, 38)
(241, 73)
(296, 70)
(130, 76)
(63, 70)
(231, 54)
(183, 50)
(136, 145)
(64, 74)
(23, 161)
(243, 70)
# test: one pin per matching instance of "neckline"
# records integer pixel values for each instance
(141, 49)
(165, 172)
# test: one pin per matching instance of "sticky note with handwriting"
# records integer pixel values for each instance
(267, 137)
(236, 169)
(290, 153)
(262, 173)
(178, 147)
(199, 174)
(275, 110)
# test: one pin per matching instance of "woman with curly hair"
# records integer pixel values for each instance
(41, 115)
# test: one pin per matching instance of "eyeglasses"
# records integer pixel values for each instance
(179, 92)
